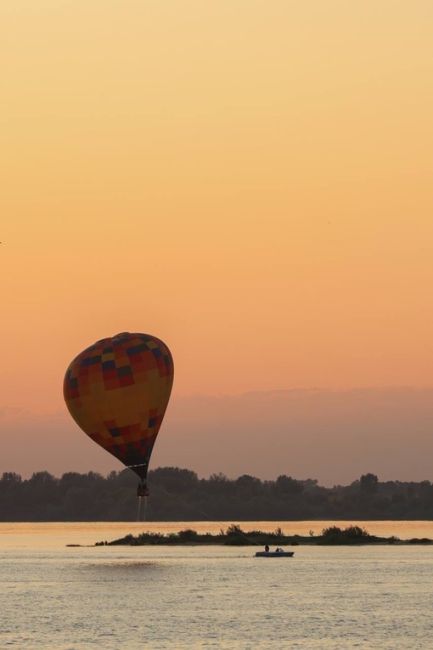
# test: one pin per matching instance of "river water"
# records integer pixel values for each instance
(53, 596)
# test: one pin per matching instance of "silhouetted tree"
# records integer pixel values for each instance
(288, 485)
(178, 494)
(368, 483)
(11, 478)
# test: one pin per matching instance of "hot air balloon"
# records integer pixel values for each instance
(117, 391)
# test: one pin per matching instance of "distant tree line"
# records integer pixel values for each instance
(180, 495)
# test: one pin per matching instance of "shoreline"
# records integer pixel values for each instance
(235, 536)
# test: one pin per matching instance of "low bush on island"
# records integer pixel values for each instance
(349, 535)
(235, 536)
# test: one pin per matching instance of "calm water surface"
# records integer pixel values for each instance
(211, 597)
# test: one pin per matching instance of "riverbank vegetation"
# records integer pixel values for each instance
(235, 536)
(180, 495)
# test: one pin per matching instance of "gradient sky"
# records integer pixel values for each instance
(250, 181)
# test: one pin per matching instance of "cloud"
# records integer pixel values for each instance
(333, 436)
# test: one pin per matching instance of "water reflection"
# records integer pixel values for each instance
(203, 597)
(121, 565)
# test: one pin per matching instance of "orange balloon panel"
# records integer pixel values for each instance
(117, 391)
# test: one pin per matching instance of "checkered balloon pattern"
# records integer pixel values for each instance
(117, 391)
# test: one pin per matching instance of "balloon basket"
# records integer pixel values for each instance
(142, 490)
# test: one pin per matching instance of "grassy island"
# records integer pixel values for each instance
(235, 536)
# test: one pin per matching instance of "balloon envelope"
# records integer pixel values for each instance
(117, 391)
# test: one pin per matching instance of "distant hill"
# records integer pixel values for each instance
(179, 495)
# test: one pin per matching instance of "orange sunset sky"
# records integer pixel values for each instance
(251, 182)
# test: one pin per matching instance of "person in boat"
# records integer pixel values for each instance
(266, 549)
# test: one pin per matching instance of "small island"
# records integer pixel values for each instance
(235, 536)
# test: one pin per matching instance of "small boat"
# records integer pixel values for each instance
(275, 553)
